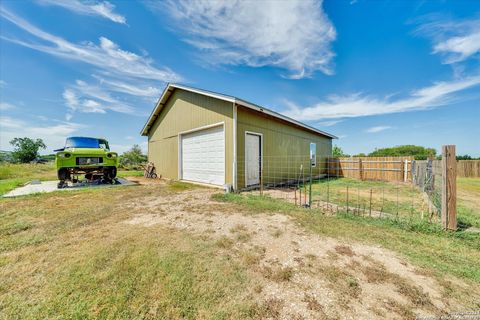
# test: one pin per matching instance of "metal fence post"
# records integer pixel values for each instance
(310, 191)
(347, 201)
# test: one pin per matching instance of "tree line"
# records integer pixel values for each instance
(26, 150)
(418, 152)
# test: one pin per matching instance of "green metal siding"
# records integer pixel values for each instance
(285, 147)
(186, 111)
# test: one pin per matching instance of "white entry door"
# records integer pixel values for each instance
(203, 156)
(253, 158)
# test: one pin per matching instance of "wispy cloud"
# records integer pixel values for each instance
(139, 90)
(106, 56)
(122, 76)
(377, 129)
(358, 105)
(91, 8)
(3, 84)
(97, 94)
(6, 106)
(455, 40)
(329, 123)
(53, 134)
(294, 35)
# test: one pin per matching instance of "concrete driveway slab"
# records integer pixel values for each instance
(51, 186)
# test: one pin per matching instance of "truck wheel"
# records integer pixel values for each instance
(63, 174)
(61, 184)
(110, 173)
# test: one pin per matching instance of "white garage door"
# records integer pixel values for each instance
(203, 156)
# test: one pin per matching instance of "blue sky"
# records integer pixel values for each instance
(373, 73)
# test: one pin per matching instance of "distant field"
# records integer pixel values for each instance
(14, 175)
(468, 201)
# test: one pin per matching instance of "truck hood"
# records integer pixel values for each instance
(87, 151)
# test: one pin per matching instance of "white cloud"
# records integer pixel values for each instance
(294, 35)
(53, 135)
(329, 123)
(3, 84)
(358, 105)
(92, 8)
(6, 106)
(377, 129)
(101, 97)
(456, 41)
(142, 90)
(459, 48)
(120, 73)
(106, 56)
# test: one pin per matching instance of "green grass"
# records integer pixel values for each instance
(129, 173)
(468, 202)
(27, 171)
(71, 255)
(469, 184)
(425, 244)
(15, 175)
(393, 198)
(182, 186)
(59, 260)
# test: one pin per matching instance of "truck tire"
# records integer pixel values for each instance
(109, 174)
(63, 174)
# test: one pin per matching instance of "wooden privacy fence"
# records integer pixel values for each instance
(371, 168)
(468, 168)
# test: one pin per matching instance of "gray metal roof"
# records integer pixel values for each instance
(171, 87)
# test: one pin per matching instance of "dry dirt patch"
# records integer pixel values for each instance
(298, 274)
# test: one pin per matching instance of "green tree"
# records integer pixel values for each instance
(419, 152)
(26, 149)
(465, 157)
(133, 158)
(338, 152)
(361, 154)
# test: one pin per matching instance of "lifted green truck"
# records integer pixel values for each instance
(89, 156)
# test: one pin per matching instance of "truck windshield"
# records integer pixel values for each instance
(83, 142)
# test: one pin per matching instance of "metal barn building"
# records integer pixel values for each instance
(205, 137)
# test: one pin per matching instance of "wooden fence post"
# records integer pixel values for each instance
(449, 188)
(360, 168)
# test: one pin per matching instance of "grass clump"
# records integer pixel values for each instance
(181, 186)
(278, 273)
(269, 309)
(224, 242)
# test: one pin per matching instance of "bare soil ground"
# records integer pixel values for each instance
(145, 181)
(299, 275)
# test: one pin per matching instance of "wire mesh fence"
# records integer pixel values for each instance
(325, 185)
(427, 176)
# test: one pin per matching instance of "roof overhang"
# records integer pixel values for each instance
(167, 92)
